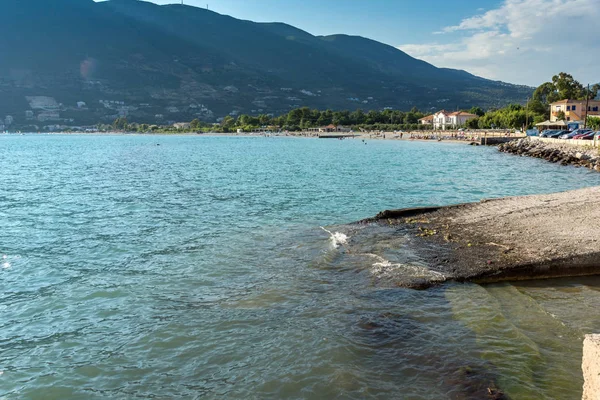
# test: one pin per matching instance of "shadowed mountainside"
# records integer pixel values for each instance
(179, 62)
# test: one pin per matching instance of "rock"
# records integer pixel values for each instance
(557, 153)
(591, 367)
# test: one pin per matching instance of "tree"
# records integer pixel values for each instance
(293, 118)
(411, 118)
(563, 86)
(195, 124)
(264, 119)
(560, 115)
(594, 91)
(227, 123)
(120, 123)
(358, 117)
(514, 119)
(325, 118)
(545, 93)
(472, 123)
(341, 117)
(567, 87)
(373, 117)
(477, 111)
(537, 107)
(593, 123)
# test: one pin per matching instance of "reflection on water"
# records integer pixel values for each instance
(198, 268)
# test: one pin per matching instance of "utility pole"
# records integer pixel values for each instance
(587, 103)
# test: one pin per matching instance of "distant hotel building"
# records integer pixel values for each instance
(447, 120)
(574, 110)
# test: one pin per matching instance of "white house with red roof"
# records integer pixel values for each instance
(451, 120)
(428, 120)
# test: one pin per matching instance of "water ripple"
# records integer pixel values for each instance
(198, 269)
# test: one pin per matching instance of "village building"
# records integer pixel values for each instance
(182, 125)
(451, 120)
(330, 128)
(428, 120)
(574, 110)
(48, 116)
(266, 129)
(43, 103)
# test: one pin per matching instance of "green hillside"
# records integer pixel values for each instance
(170, 63)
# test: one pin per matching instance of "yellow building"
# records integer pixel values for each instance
(574, 110)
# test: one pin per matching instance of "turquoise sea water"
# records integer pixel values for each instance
(196, 267)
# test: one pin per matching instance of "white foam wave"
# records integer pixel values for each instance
(337, 238)
(384, 269)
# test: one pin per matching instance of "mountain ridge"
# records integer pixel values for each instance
(161, 63)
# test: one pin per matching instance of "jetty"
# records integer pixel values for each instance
(495, 140)
(337, 135)
(514, 238)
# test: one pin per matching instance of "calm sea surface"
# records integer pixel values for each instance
(196, 267)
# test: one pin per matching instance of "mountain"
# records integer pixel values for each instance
(81, 62)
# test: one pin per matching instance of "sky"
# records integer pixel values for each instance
(517, 41)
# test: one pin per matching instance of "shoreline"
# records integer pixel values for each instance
(506, 239)
(472, 138)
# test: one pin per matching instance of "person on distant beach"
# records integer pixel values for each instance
(401, 135)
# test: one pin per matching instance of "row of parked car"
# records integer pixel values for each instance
(577, 134)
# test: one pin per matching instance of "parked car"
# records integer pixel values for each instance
(583, 132)
(575, 133)
(590, 136)
(548, 132)
(557, 134)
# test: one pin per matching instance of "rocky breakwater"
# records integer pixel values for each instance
(588, 157)
(515, 238)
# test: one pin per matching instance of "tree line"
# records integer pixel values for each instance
(513, 116)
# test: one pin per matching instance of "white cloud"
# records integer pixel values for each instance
(522, 41)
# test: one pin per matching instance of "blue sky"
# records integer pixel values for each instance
(388, 21)
(515, 41)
